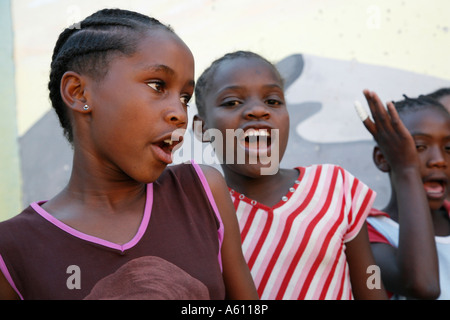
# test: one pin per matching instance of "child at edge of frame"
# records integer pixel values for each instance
(442, 95)
(410, 237)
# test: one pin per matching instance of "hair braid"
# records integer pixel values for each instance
(414, 104)
(439, 94)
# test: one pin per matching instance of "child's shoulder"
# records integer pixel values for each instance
(191, 167)
(323, 168)
(193, 173)
(20, 224)
(26, 216)
(332, 171)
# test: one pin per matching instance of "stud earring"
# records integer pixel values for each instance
(86, 107)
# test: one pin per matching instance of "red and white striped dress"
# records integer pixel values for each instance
(296, 249)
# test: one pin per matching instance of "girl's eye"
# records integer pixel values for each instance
(185, 100)
(420, 147)
(158, 86)
(273, 102)
(447, 148)
(230, 103)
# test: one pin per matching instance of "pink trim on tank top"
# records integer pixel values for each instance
(205, 184)
(7, 275)
(142, 228)
(144, 223)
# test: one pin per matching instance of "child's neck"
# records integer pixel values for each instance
(441, 222)
(268, 189)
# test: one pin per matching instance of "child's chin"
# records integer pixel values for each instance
(255, 170)
(436, 204)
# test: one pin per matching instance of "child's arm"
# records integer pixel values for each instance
(6, 292)
(360, 259)
(238, 280)
(411, 269)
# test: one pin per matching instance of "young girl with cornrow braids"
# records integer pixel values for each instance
(126, 226)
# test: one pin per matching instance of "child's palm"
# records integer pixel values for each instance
(390, 133)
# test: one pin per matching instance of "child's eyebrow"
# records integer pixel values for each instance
(271, 86)
(229, 88)
(164, 69)
(422, 134)
(158, 68)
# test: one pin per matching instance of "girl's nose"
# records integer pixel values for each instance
(436, 158)
(176, 114)
(257, 111)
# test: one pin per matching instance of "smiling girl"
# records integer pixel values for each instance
(302, 229)
(126, 226)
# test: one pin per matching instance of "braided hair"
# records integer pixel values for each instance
(413, 104)
(204, 81)
(88, 46)
(438, 94)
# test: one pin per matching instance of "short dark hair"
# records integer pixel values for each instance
(87, 48)
(438, 94)
(203, 83)
(413, 104)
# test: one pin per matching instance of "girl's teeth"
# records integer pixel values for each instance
(434, 188)
(254, 133)
(168, 141)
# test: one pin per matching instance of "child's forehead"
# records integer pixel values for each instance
(160, 44)
(234, 70)
(159, 37)
(445, 100)
(427, 118)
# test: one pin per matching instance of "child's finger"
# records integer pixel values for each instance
(364, 116)
(362, 113)
(380, 115)
(380, 108)
(396, 122)
(372, 105)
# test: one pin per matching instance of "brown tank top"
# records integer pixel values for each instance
(174, 255)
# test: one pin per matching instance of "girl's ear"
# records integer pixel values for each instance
(379, 160)
(72, 92)
(199, 128)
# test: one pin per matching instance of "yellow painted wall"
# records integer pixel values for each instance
(10, 182)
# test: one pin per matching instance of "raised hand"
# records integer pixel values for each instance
(391, 135)
(411, 269)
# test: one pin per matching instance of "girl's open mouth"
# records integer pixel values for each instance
(435, 189)
(164, 149)
(256, 140)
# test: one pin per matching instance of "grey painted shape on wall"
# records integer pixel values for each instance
(46, 160)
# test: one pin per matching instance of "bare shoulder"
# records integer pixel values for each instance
(211, 173)
(215, 179)
(219, 190)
